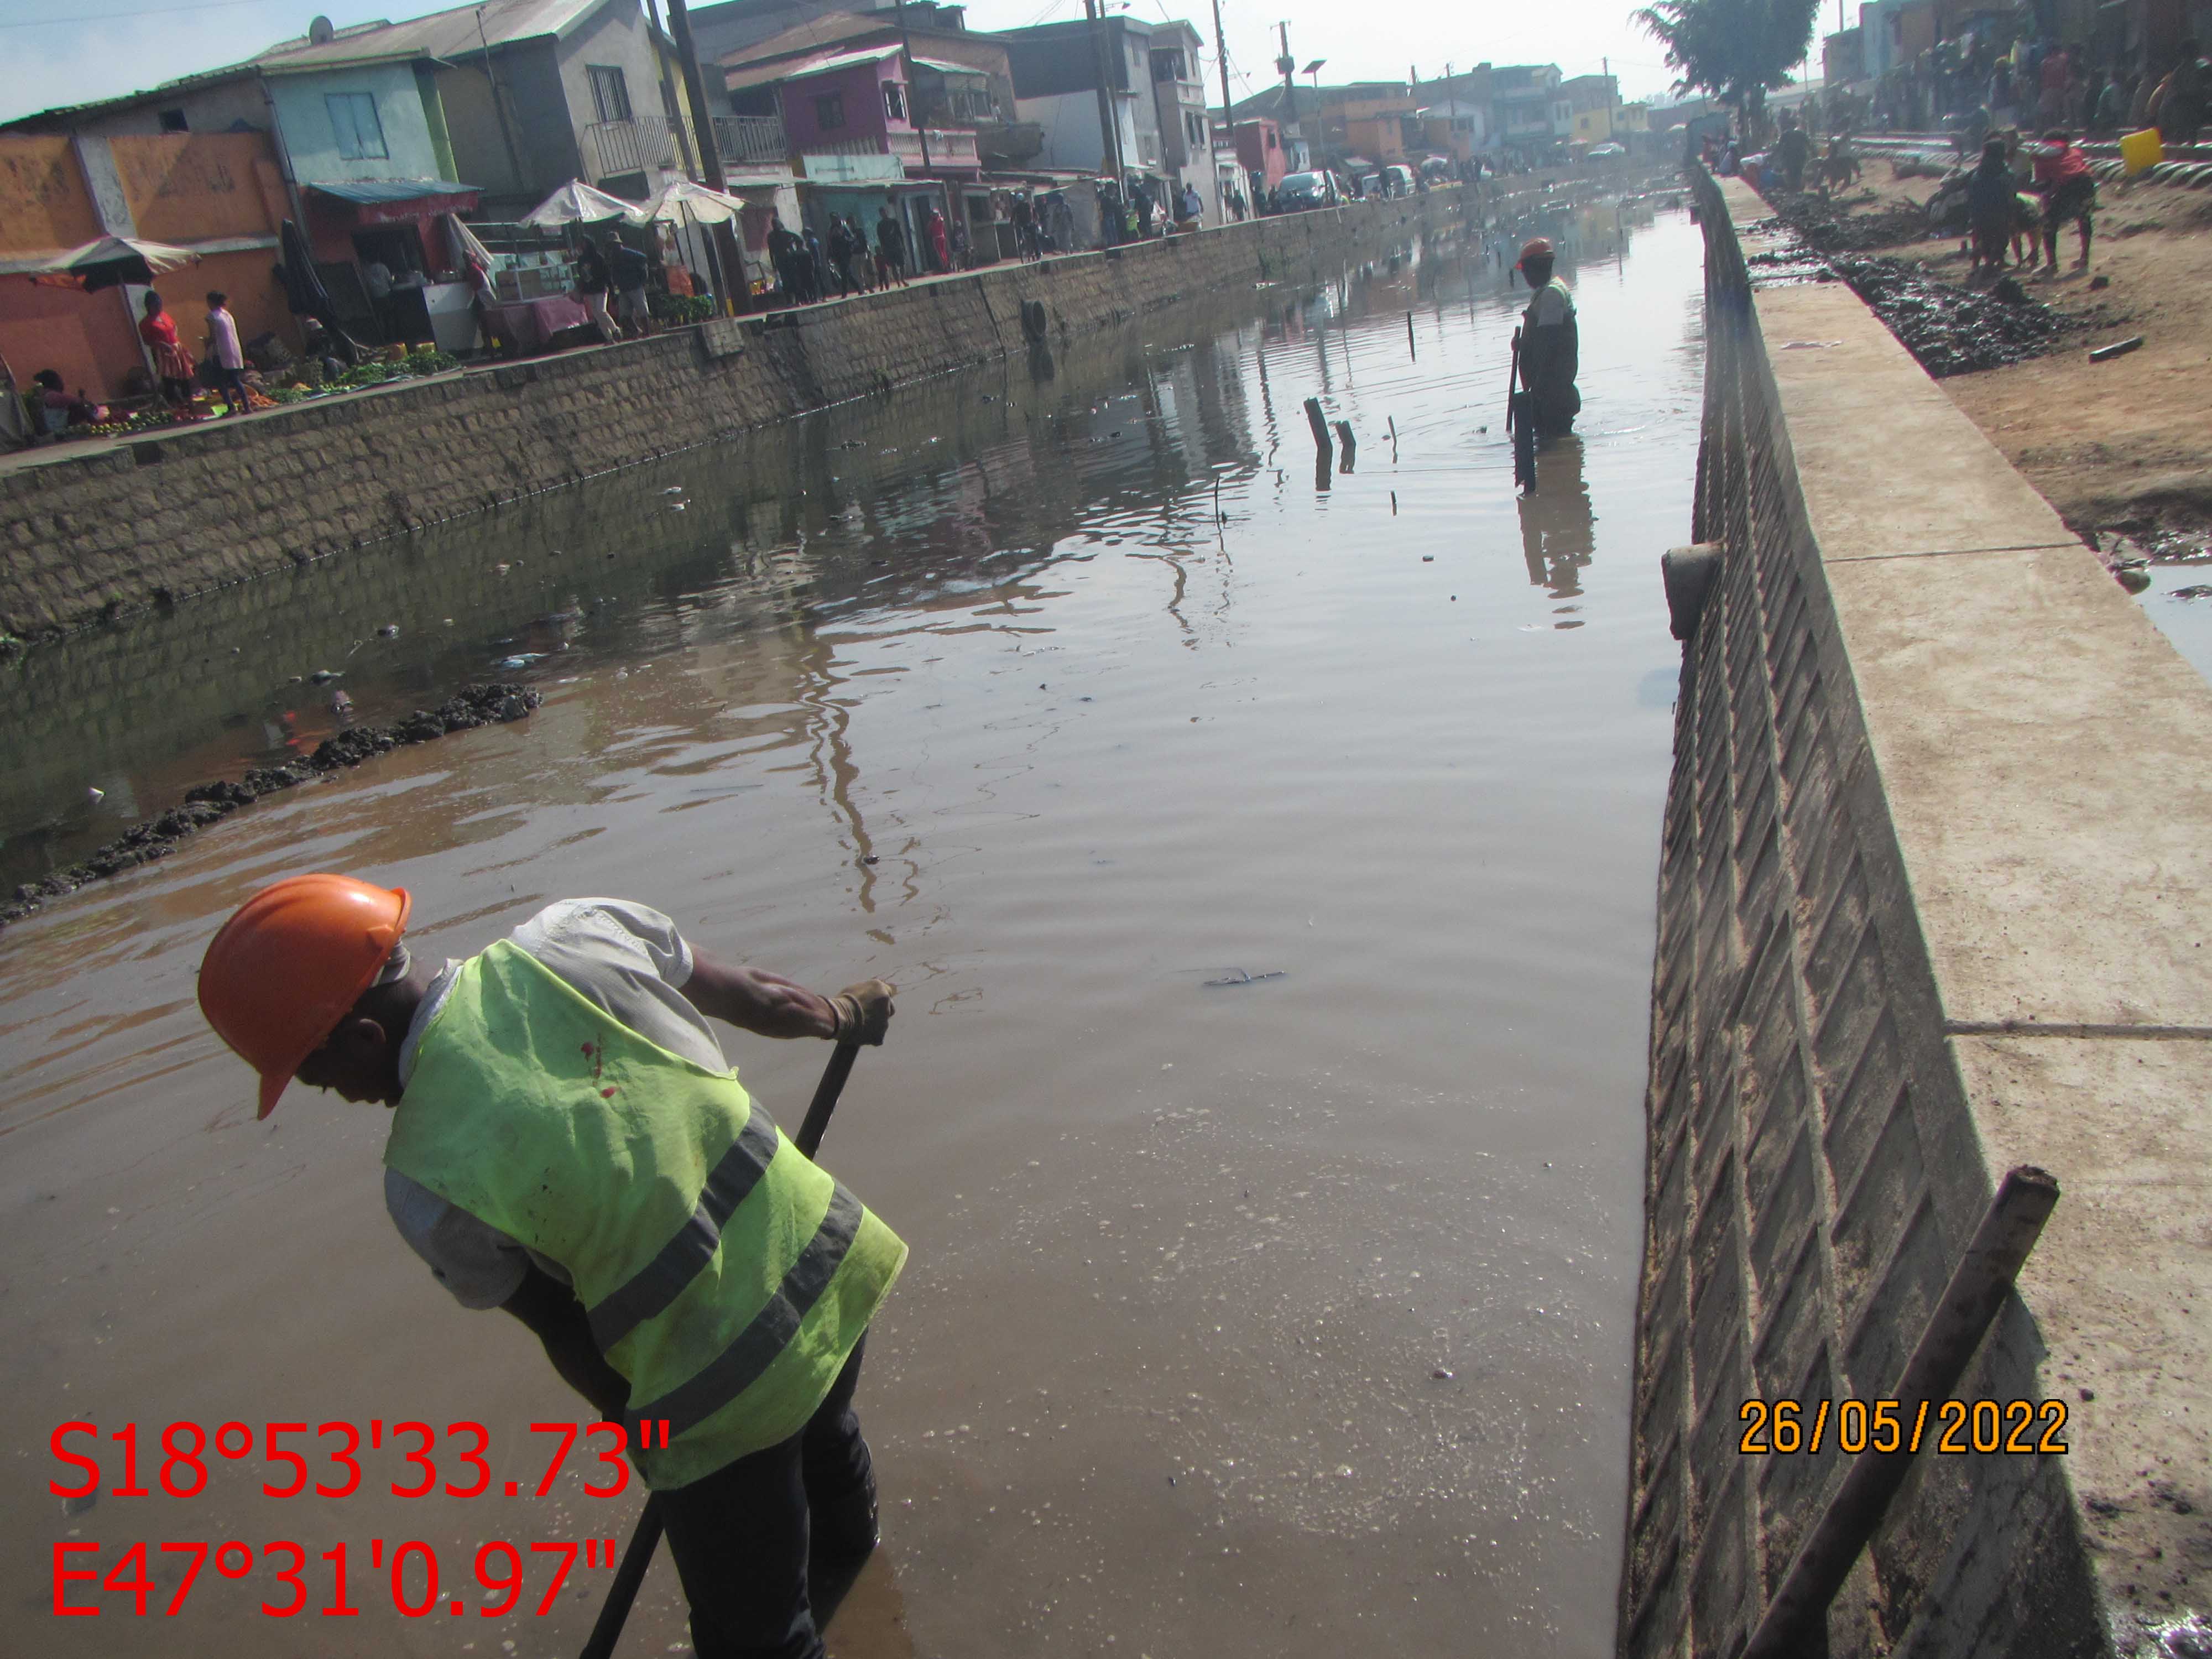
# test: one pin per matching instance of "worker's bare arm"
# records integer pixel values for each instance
(754, 1000)
(551, 1309)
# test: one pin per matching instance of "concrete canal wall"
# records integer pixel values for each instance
(1933, 903)
(137, 523)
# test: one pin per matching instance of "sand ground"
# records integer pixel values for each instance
(2126, 442)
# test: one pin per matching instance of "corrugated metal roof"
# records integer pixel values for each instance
(746, 76)
(393, 190)
(65, 115)
(442, 34)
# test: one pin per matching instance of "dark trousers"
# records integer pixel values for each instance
(744, 1537)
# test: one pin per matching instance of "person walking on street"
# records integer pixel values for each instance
(857, 263)
(799, 275)
(890, 244)
(1791, 151)
(940, 246)
(172, 365)
(223, 347)
(1992, 206)
(1144, 212)
(591, 284)
(1550, 344)
(838, 245)
(569, 1144)
(631, 270)
(2068, 190)
(819, 274)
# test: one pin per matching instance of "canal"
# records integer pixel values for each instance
(1266, 861)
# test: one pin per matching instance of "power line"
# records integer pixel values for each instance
(112, 16)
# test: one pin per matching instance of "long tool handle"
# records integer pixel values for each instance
(1512, 380)
(637, 1555)
(809, 1137)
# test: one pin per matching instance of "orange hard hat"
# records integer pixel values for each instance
(282, 972)
(1538, 247)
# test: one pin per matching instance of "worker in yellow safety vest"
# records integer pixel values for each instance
(569, 1144)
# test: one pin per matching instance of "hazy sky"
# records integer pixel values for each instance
(67, 51)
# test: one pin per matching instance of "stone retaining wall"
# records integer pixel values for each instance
(1933, 886)
(155, 520)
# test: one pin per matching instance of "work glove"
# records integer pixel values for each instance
(863, 1011)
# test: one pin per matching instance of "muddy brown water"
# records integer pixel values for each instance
(1291, 1317)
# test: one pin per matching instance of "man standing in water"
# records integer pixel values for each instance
(1550, 348)
(569, 1144)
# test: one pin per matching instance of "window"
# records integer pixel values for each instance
(830, 112)
(973, 106)
(1167, 66)
(895, 100)
(1193, 127)
(353, 119)
(610, 91)
(172, 120)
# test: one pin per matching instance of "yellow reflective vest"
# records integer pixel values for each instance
(725, 1274)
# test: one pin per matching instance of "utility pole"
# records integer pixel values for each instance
(914, 114)
(499, 108)
(913, 87)
(668, 87)
(722, 242)
(695, 89)
(1109, 119)
(1221, 46)
(1287, 66)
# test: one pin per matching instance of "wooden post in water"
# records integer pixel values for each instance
(1313, 419)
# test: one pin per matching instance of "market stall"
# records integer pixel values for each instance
(380, 258)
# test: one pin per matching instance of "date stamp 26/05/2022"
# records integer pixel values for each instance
(1785, 1427)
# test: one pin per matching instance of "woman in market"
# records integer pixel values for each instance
(592, 284)
(172, 363)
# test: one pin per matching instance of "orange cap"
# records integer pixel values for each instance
(1538, 247)
(282, 972)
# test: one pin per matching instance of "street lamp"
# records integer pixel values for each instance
(1313, 70)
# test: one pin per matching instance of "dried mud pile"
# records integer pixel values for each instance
(206, 803)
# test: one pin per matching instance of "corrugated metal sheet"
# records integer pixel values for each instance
(372, 191)
(442, 34)
(760, 75)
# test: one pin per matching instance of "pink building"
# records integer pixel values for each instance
(1260, 150)
(859, 103)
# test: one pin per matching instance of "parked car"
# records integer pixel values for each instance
(1302, 191)
(1607, 152)
(1397, 181)
(1437, 167)
(1370, 184)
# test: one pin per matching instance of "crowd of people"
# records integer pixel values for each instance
(1978, 86)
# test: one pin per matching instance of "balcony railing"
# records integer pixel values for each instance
(948, 148)
(755, 139)
(631, 146)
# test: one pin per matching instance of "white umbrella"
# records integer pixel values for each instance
(687, 198)
(103, 262)
(579, 203)
(686, 201)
